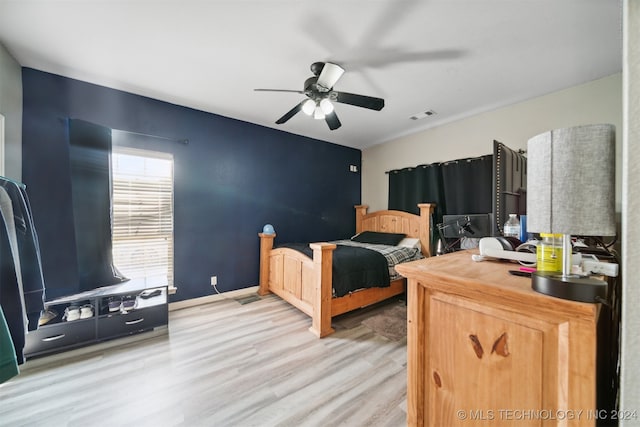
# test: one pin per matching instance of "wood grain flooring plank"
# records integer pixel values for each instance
(220, 364)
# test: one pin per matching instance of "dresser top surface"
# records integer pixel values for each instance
(457, 272)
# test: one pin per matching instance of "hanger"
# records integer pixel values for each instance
(19, 184)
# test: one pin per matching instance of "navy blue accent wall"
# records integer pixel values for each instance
(230, 179)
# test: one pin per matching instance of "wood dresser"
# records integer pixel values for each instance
(483, 348)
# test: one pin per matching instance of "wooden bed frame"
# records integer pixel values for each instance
(307, 283)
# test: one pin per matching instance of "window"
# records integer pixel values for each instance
(142, 203)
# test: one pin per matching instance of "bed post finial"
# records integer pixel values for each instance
(361, 211)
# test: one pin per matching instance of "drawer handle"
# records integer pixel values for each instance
(53, 338)
(133, 322)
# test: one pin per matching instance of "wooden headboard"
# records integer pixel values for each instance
(391, 221)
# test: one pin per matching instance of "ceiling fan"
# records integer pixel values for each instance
(321, 96)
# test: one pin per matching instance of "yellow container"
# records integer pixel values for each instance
(549, 253)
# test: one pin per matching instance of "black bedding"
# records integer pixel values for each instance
(353, 267)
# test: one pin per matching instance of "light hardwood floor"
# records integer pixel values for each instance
(220, 364)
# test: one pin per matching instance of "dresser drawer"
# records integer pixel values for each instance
(60, 336)
(134, 321)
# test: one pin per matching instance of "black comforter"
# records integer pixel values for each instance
(353, 267)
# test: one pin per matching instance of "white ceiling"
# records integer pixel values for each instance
(456, 57)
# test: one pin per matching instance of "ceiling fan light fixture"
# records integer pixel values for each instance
(308, 107)
(326, 106)
(329, 76)
(318, 114)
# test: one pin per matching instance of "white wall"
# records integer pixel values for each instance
(599, 101)
(630, 371)
(11, 109)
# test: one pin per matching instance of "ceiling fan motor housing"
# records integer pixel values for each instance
(315, 91)
(310, 86)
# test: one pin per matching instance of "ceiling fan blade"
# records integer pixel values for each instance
(329, 75)
(278, 90)
(360, 100)
(290, 114)
(332, 120)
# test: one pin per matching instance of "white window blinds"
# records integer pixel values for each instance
(142, 203)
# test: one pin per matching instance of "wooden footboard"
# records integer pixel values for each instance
(306, 283)
(301, 281)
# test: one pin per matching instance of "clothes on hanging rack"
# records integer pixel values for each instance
(9, 221)
(8, 361)
(21, 281)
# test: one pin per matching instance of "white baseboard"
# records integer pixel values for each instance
(179, 305)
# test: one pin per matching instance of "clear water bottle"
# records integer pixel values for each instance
(512, 227)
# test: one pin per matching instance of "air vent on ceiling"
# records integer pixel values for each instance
(423, 115)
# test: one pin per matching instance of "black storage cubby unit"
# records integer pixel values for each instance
(137, 312)
(99, 315)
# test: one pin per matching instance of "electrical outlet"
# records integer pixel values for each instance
(596, 267)
(214, 280)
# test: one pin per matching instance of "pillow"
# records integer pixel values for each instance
(378, 238)
(410, 242)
